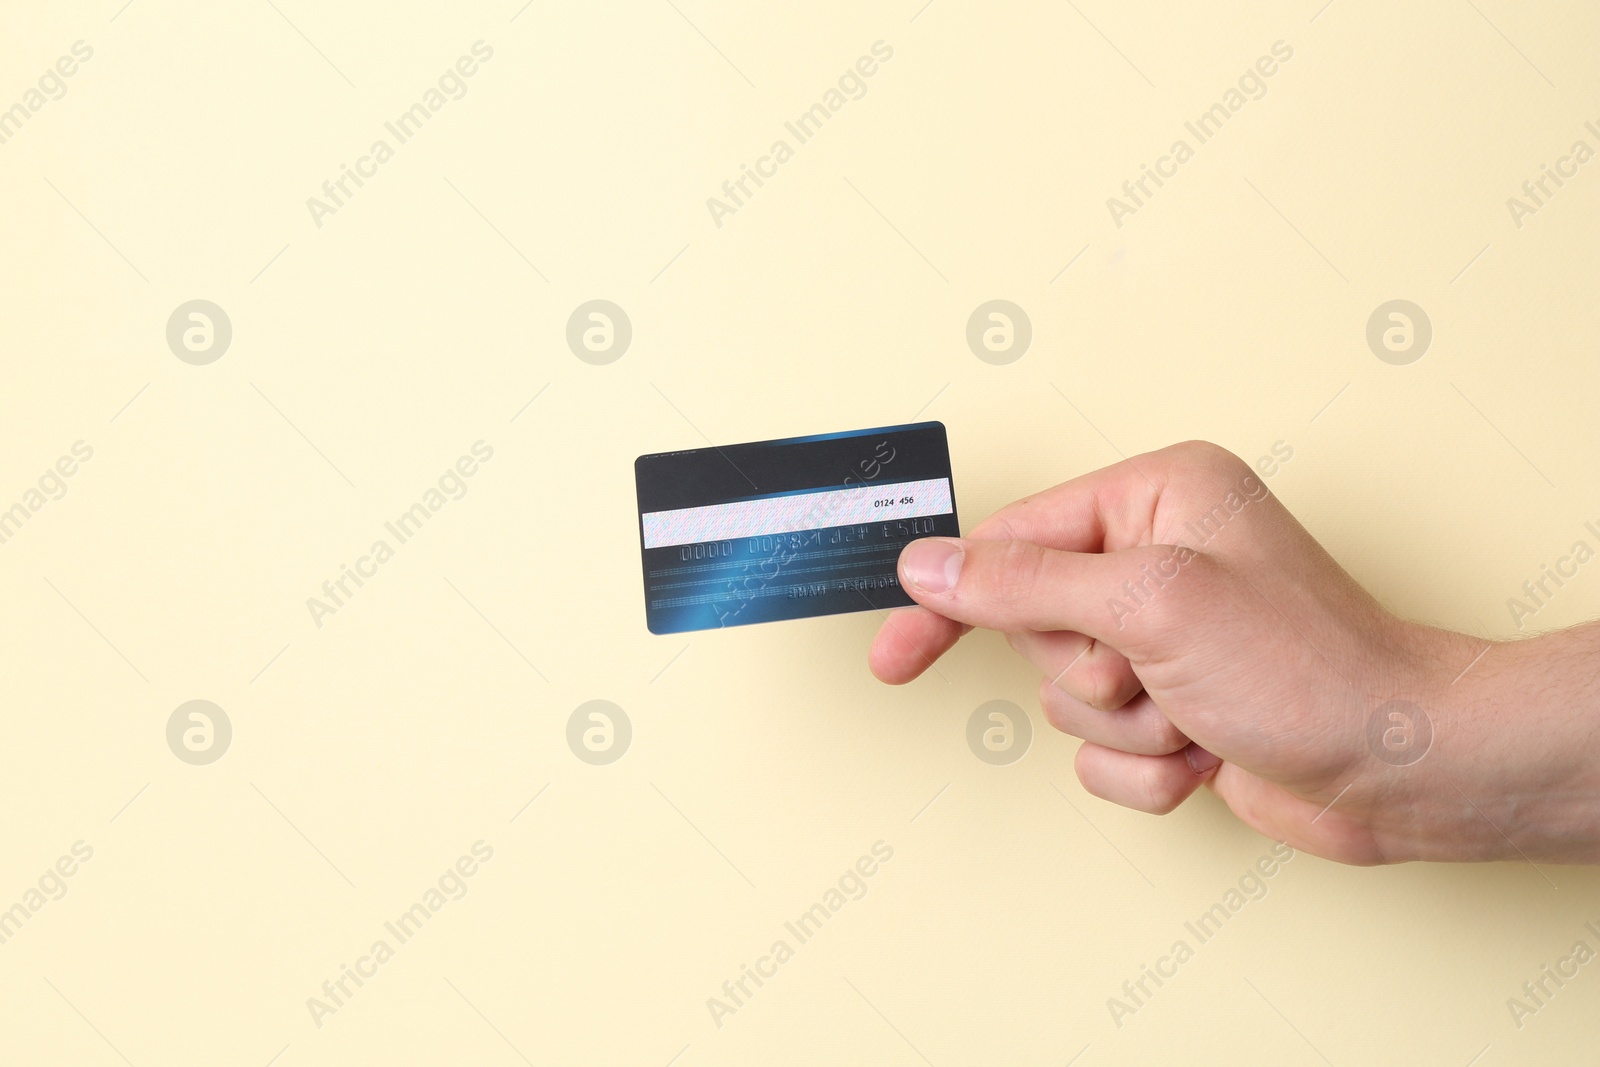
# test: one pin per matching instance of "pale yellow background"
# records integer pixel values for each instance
(370, 753)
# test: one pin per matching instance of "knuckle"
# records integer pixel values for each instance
(1212, 469)
(1103, 684)
(1210, 456)
(996, 527)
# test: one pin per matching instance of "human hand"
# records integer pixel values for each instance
(1192, 632)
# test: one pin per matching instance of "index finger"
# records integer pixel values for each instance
(908, 642)
(1103, 510)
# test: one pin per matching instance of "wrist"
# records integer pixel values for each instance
(1511, 771)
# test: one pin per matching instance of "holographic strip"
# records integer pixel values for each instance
(799, 511)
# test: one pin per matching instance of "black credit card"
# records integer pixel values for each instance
(788, 529)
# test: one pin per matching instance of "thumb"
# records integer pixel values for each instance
(1012, 586)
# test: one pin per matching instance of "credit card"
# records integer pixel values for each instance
(788, 529)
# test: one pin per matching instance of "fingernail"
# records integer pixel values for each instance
(932, 564)
(1200, 761)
